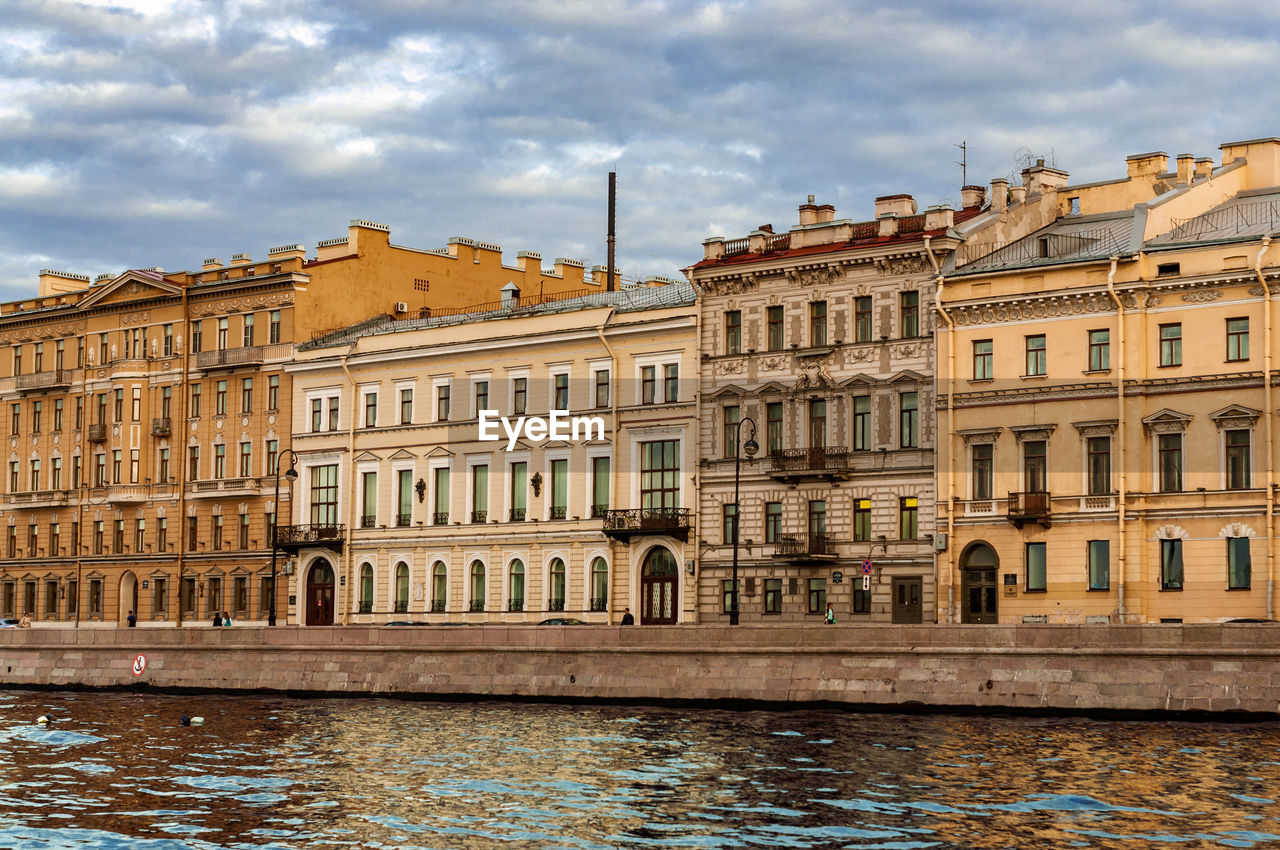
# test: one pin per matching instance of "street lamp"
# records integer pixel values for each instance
(750, 447)
(291, 476)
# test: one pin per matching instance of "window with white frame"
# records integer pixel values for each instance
(657, 378)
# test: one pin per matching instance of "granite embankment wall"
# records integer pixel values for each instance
(1217, 668)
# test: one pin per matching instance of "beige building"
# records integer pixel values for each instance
(581, 519)
(146, 410)
(1109, 450)
(823, 337)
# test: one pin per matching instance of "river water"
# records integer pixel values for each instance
(118, 770)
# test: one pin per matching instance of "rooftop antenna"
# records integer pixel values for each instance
(613, 202)
(963, 163)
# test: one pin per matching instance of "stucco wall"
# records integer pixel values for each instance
(1144, 668)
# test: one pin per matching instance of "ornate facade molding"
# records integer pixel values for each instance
(1032, 432)
(1097, 428)
(897, 266)
(1167, 422)
(1201, 295)
(1236, 529)
(1172, 532)
(980, 435)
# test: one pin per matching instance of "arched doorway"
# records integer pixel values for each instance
(978, 594)
(659, 579)
(128, 597)
(320, 594)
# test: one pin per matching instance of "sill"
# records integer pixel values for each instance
(1230, 589)
(1168, 365)
(1170, 589)
(1036, 590)
(1043, 377)
(1098, 590)
(1236, 360)
(982, 380)
(1096, 372)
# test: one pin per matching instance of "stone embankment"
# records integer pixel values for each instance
(1153, 668)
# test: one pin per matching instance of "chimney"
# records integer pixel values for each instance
(1204, 167)
(971, 196)
(1041, 178)
(211, 263)
(1147, 164)
(808, 213)
(529, 260)
(375, 234)
(240, 260)
(713, 248)
(52, 281)
(1017, 194)
(999, 194)
(938, 217)
(897, 205)
(286, 252)
(1186, 168)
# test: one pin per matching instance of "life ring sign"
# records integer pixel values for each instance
(139, 665)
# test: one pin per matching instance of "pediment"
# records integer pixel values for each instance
(95, 574)
(403, 454)
(214, 572)
(160, 574)
(557, 444)
(908, 376)
(130, 287)
(862, 379)
(1167, 421)
(729, 390)
(1235, 411)
(365, 457)
(438, 451)
(769, 387)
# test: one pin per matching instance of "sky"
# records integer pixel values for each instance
(137, 133)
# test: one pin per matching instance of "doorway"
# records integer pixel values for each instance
(978, 584)
(908, 599)
(128, 598)
(320, 594)
(659, 578)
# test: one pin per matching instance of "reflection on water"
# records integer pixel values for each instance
(117, 770)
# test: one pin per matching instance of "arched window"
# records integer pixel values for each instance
(439, 586)
(515, 599)
(599, 584)
(555, 602)
(402, 587)
(366, 588)
(477, 586)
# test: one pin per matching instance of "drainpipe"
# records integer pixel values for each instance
(953, 590)
(613, 429)
(352, 489)
(1268, 416)
(1120, 415)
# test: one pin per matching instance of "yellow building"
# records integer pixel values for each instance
(146, 410)
(1109, 451)
(414, 503)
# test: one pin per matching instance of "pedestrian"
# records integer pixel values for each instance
(226, 618)
(831, 615)
(217, 618)
(133, 619)
(25, 622)
(627, 619)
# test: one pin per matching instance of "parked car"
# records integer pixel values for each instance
(8, 623)
(562, 621)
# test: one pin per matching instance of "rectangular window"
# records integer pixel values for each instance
(222, 334)
(370, 410)
(482, 395)
(671, 382)
(560, 392)
(118, 406)
(217, 532)
(220, 460)
(817, 518)
(774, 317)
(817, 596)
(246, 460)
(406, 406)
(197, 337)
(520, 491)
(726, 595)
(1099, 464)
(982, 461)
(1171, 565)
(133, 465)
(1037, 363)
(862, 326)
(139, 535)
(982, 357)
(37, 410)
(442, 403)
(115, 466)
(773, 426)
(1237, 339)
(1037, 578)
(1238, 563)
(59, 353)
(1035, 466)
(440, 509)
(729, 442)
(1238, 466)
(519, 395)
(15, 418)
(195, 401)
(861, 520)
(39, 358)
(55, 473)
(908, 518)
(660, 475)
(35, 474)
(1170, 451)
(559, 489)
(733, 332)
(599, 486)
(648, 384)
(1171, 345)
(862, 423)
(163, 466)
(273, 455)
(166, 402)
(98, 539)
(728, 523)
(908, 420)
(1099, 350)
(817, 424)
(369, 500)
(333, 413)
(817, 323)
(117, 537)
(324, 495)
(273, 392)
(602, 387)
(162, 534)
(247, 335)
(246, 395)
(168, 340)
(480, 493)
(404, 497)
(220, 398)
(772, 522)
(910, 302)
(193, 462)
(243, 537)
(55, 537)
(773, 596)
(273, 327)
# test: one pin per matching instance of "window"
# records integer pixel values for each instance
(1171, 565)
(519, 395)
(17, 359)
(442, 403)
(163, 466)
(1099, 351)
(243, 536)
(773, 426)
(401, 602)
(273, 327)
(1036, 362)
(1099, 464)
(370, 410)
(480, 492)
(222, 333)
(1238, 472)
(317, 414)
(247, 335)
(560, 392)
(333, 413)
(13, 476)
(1171, 345)
(240, 596)
(481, 389)
(1237, 339)
(1036, 571)
(273, 456)
(1099, 562)
(440, 509)
(559, 489)
(197, 337)
(515, 586)
(861, 599)
(817, 596)
(861, 520)
(220, 461)
(324, 494)
(671, 382)
(195, 401)
(159, 598)
(117, 536)
(773, 596)
(1035, 465)
(732, 417)
(193, 462)
(862, 423)
(35, 474)
(648, 384)
(1170, 451)
(727, 596)
(774, 325)
(115, 466)
(733, 332)
(982, 354)
(404, 497)
(602, 387)
(369, 500)
(15, 418)
(1166, 269)
(166, 402)
(477, 586)
(982, 462)
(599, 584)
(59, 353)
(910, 304)
(118, 406)
(772, 522)
(817, 424)
(406, 406)
(862, 327)
(728, 523)
(162, 534)
(660, 475)
(817, 517)
(168, 340)
(220, 398)
(817, 323)
(99, 470)
(599, 486)
(246, 460)
(1238, 563)
(908, 518)
(102, 408)
(55, 473)
(520, 491)
(366, 589)
(55, 537)
(246, 395)
(555, 601)
(36, 411)
(908, 419)
(273, 392)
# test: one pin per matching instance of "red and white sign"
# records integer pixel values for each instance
(139, 665)
(866, 568)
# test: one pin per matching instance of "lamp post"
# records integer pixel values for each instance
(291, 476)
(750, 447)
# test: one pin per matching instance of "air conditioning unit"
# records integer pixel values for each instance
(402, 307)
(940, 542)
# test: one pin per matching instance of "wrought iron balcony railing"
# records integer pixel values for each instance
(623, 524)
(477, 605)
(559, 511)
(599, 603)
(555, 604)
(805, 546)
(403, 520)
(515, 604)
(823, 460)
(440, 518)
(517, 515)
(297, 536)
(1029, 506)
(401, 606)
(437, 606)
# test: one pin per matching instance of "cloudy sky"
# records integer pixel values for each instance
(141, 132)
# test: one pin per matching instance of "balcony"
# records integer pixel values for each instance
(598, 511)
(477, 605)
(437, 606)
(559, 511)
(54, 379)
(401, 606)
(555, 604)
(404, 520)
(223, 487)
(368, 520)
(1028, 507)
(36, 499)
(800, 548)
(229, 358)
(98, 433)
(671, 522)
(440, 518)
(515, 605)
(292, 538)
(479, 516)
(161, 426)
(516, 515)
(127, 494)
(599, 603)
(830, 462)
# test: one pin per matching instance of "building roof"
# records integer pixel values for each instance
(1246, 217)
(1068, 240)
